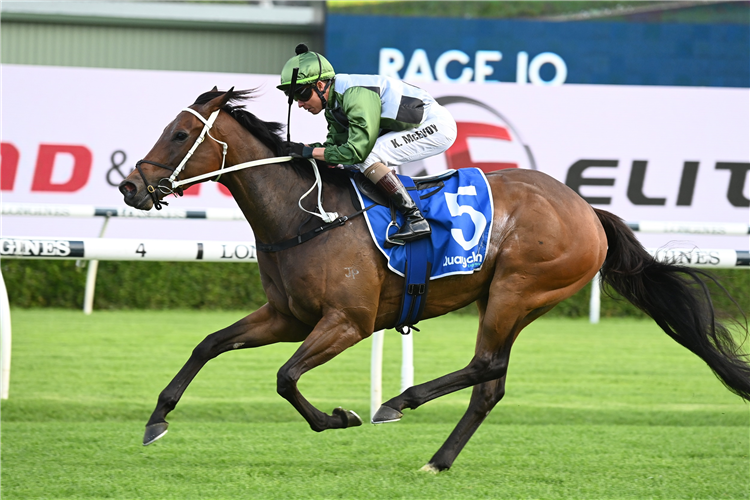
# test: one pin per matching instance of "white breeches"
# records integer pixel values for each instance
(433, 136)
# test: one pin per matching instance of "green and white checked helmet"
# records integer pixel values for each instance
(312, 67)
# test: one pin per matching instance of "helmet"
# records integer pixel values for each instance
(312, 67)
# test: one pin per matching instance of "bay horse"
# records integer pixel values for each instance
(547, 243)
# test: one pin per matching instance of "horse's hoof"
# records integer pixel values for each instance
(429, 468)
(154, 432)
(349, 418)
(386, 414)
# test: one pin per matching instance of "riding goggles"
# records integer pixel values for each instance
(302, 94)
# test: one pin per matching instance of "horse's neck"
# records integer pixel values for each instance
(268, 197)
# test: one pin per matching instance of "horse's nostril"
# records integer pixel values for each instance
(128, 189)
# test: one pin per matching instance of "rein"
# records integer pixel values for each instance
(301, 238)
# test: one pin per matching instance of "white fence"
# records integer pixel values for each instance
(87, 211)
(126, 249)
(84, 211)
(716, 228)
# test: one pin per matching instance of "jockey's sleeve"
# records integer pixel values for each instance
(362, 108)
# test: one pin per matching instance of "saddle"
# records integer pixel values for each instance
(371, 191)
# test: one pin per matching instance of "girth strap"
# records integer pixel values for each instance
(302, 238)
(416, 273)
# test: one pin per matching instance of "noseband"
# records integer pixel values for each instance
(168, 185)
(151, 188)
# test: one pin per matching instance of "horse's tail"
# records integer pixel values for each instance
(678, 299)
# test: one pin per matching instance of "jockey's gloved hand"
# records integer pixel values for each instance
(298, 150)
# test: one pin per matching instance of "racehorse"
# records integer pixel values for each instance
(547, 243)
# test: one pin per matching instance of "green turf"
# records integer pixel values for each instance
(615, 410)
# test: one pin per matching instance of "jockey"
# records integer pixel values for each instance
(375, 123)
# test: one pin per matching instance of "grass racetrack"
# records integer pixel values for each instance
(615, 410)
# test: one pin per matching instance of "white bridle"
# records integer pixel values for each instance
(207, 124)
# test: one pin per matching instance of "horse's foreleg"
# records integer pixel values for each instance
(484, 397)
(263, 327)
(332, 335)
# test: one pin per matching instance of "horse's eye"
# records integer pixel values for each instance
(180, 136)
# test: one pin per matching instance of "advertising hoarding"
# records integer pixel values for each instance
(450, 50)
(644, 153)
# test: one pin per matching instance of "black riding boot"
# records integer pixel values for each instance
(415, 226)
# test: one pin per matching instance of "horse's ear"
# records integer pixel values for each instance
(214, 89)
(220, 101)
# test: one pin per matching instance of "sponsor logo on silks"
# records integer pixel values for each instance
(40, 248)
(415, 135)
(474, 260)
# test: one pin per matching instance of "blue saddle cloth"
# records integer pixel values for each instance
(459, 209)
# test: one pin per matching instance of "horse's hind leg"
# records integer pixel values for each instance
(490, 362)
(500, 324)
(484, 397)
(263, 327)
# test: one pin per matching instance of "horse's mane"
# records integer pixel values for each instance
(269, 133)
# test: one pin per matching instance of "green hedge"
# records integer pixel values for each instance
(135, 285)
(171, 285)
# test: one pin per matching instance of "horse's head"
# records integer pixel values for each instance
(176, 155)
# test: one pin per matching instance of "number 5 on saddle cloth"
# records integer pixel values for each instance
(458, 206)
